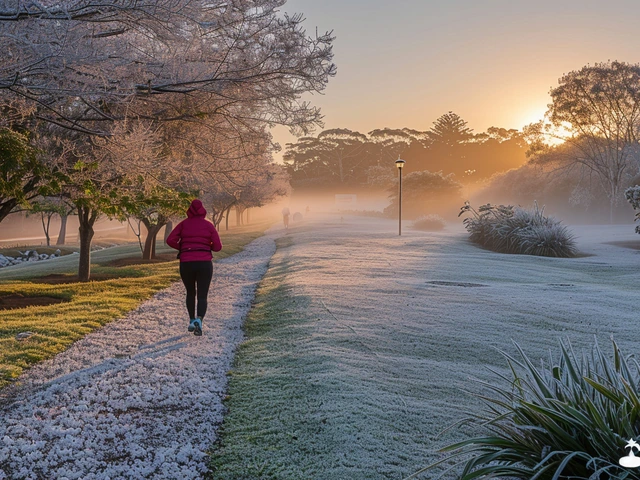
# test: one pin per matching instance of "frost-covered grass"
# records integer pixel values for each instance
(91, 305)
(362, 345)
(429, 223)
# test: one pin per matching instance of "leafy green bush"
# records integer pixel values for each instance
(429, 223)
(570, 418)
(508, 229)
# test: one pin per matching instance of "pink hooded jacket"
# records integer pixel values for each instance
(195, 237)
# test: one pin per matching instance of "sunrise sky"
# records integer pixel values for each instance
(403, 63)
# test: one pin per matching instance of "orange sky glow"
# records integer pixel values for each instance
(405, 63)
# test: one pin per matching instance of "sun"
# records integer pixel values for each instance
(528, 115)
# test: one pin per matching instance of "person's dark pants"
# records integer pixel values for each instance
(196, 276)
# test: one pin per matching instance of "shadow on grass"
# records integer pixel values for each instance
(17, 300)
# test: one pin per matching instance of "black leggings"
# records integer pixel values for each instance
(196, 274)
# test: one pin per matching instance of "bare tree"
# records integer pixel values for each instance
(115, 58)
(598, 109)
(66, 209)
(241, 175)
(266, 186)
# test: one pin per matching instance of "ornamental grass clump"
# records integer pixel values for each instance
(429, 223)
(509, 229)
(571, 418)
(632, 194)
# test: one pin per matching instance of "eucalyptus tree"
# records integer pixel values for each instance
(597, 110)
(393, 142)
(266, 186)
(338, 156)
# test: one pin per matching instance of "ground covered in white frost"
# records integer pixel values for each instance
(380, 336)
(139, 398)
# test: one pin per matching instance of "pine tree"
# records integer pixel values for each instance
(450, 129)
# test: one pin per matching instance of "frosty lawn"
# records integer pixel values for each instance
(362, 344)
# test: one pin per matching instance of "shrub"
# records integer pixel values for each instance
(429, 223)
(571, 418)
(632, 194)
(508, 229)
(364, 213)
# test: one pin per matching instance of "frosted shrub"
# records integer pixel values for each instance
(509, 229)
(632, 194)
(570, 417)
(429, 223)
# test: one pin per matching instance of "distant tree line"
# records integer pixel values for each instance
(341, 157)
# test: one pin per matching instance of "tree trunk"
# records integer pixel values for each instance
(239, 213)
(87, 218)
(247, 216)
(149, 251)
(45, 226)
(226, 219)
(613, 201)
(62, 235)
(167, 230)
(611, 212)
(153, 243)
(6, 207)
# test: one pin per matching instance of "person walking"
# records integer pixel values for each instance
(285, 217)
(195, 238)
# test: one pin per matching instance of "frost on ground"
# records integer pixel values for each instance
(139, 398)
(382, 337)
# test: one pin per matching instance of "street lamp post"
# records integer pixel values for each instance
(400, 163)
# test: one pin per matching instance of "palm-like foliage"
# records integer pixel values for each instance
(570, 418)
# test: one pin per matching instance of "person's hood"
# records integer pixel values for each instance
(196, 209)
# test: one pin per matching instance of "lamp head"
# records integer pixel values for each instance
(400, 163)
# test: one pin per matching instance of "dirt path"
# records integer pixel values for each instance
(139, 398)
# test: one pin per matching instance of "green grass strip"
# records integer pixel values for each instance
(89, 305)
(260, 437)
